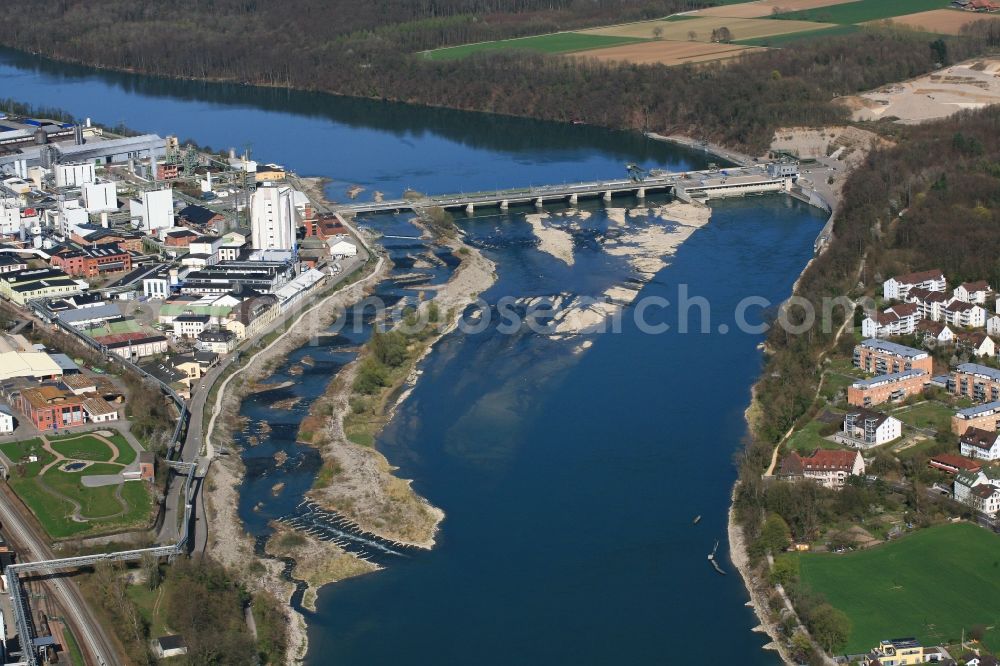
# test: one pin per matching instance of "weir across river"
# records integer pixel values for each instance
(687, 186)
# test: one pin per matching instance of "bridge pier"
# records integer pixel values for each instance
(641, 193)
(470, 209)
(607, 196)
(538, 202)
(572, 199)
(504, 205)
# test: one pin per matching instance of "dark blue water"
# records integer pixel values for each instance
(569, 480)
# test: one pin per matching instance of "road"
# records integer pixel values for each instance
(32, 547)
(193, 442)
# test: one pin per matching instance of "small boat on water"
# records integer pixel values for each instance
(697, 519)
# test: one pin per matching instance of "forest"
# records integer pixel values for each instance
(370, 50)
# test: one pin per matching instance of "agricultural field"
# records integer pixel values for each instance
(863, 11)
(941, 21)
(57, 495)
(931, 584)
(701, 28)
(764, 8)
(723, 32)
(560, 42)
(669, 53)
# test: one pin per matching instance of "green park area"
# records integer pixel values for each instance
(61, 503)
(931, 584)
(560, 42)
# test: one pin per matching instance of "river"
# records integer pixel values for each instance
(569, 480)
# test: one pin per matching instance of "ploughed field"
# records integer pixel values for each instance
(726, 31)
(931, 584)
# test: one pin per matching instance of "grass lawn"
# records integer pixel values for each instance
(834, 382)
(17, 451)
(83, 447)
(562, 42)
(933, 415)
(863, 10)
(778, 41)
(98, 505)
(126, 454)
(145, 600)
(930, 584)
(808, 438)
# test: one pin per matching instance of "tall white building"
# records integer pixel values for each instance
(155, 209)
(100, 197)
(273, 218)
(74, 174)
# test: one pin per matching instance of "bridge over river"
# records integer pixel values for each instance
(686, 186)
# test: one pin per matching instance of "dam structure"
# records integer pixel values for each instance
(686, 186)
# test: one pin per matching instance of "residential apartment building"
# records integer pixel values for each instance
(979, 382)
(864, 429)
(898, 288)
(980, 444)
(965, 315)
(973, 292)
(885, 388)
(900, 319)
(930, 304)
(881, 357)
(983, 417)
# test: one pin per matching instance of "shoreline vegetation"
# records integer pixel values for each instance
(898, 212)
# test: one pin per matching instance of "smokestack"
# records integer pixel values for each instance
(232, 153)
(78, 134)
(88, 122)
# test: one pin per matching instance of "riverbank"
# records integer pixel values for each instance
(812, 144)
(357, 481)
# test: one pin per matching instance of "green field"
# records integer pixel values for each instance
(560, 42)
(863, 11)
(83, 447)
(930, 584)
(808, 439)
(931, 415)
(778, 41)
(51, 497)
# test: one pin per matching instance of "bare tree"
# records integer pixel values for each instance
(692, 35)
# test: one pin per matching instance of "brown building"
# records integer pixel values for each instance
(880, 357)
(953, 464)
(92, 261)
(979, 382)
(984, 417)
(887, 388)
(180, 237)
(50, 407)
(325, 226)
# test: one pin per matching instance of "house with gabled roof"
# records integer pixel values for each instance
(980, 444)
(825, 466)
(899, 319)
(979, 490)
